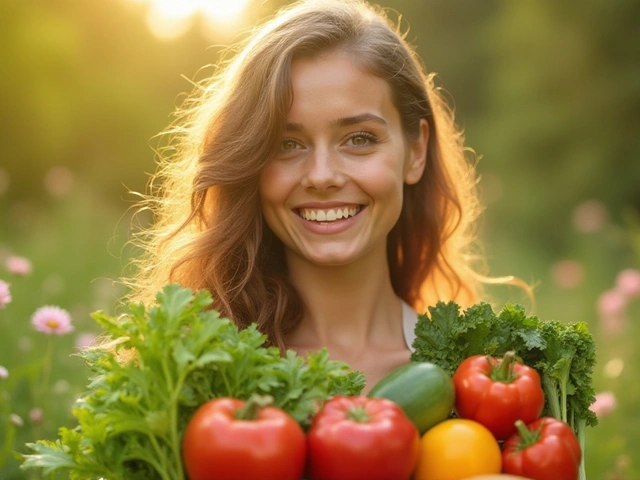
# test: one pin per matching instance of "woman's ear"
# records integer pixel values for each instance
(417, 155)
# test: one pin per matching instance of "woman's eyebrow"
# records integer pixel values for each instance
(342, 122)
(365, 117)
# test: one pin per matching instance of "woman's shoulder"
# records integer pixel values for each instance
(409, 320)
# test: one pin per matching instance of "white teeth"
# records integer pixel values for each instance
(330, 215)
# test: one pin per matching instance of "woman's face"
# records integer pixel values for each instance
(334, 190)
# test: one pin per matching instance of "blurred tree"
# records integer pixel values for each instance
(561, 119)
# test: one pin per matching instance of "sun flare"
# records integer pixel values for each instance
(170, 19)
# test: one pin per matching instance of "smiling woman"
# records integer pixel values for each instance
(170, 19)
(319, 188)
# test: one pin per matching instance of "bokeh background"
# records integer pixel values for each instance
(547, 92)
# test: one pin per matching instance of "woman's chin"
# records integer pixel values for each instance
(329, 257)
(331, 261)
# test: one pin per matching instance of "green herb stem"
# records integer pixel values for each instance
(564, 381)
(152, 461)
(229, 392)
(580, 428)
(173, 422)
(46, 368)
(551, 392)
(167, 375)
(159, 453)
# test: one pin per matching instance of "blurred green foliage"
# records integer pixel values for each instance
(547, 92)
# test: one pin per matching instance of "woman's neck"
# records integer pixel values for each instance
(350, 309)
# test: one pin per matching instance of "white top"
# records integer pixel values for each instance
(409, 320)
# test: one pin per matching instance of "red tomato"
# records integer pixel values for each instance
(496, 393)
(546, 449)
(218, 445)
(360, 438)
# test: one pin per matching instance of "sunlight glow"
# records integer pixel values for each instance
(223, 9)
(170, 19)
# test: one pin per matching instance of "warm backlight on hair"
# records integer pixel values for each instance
(170, 19)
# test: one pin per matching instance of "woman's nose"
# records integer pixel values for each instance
(324, 170)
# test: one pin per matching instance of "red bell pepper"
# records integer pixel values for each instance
(546, 449)
(496, 393)
(360, 438)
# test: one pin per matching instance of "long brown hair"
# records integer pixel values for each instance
(208, 230)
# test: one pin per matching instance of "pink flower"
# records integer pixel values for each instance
(4, 373)
(5, 294)
(52, 320)
(36, 415)
(605, 404)
(611, 308)
(18, 265)
(567, 274)
(590, 216)
(612, 303)
(628, 282)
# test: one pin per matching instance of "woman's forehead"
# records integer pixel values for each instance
(338, 90)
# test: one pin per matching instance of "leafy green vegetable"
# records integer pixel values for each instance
(167, 361)
(562, 353)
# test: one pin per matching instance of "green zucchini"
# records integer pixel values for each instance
(423, 390)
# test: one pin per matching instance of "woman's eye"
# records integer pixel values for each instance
(289, 145)
(361, 140)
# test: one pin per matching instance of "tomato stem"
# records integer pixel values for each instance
(252, 406)
(527, 437)
(503, 371)
(358, 414)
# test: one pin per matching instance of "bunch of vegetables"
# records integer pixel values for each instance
(485, 420)
(166, 362)
(562, 354)
(506, 398)
(182, 393)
